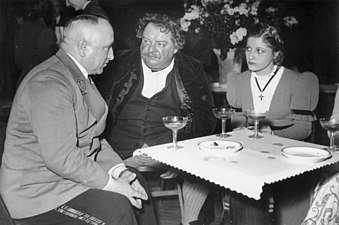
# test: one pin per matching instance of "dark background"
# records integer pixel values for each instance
(312, 46)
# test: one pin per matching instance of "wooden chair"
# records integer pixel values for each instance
(160, 190)
(227, 208)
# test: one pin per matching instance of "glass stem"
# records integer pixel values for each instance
(223, 126)
(256, 122)
(175, 134)
(332, 147)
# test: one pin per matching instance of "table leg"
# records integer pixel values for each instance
(271, 209)
(226, 205)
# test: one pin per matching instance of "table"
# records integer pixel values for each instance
(259, 163)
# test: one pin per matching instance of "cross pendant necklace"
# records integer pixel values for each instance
(261, 96)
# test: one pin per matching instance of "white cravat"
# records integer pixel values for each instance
(154, 82)
(263, 104)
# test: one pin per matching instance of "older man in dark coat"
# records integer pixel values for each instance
(146, 84)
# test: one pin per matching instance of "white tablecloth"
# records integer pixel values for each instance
(260, 161)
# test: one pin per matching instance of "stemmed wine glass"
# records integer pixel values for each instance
(223, 114)
(175, 123)
(331, 125)
(256, 117)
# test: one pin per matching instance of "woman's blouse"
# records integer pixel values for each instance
(290, 113)
(263, 88)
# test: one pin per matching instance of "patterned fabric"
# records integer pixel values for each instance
(324, 208)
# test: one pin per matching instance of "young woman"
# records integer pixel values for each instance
(288, 97)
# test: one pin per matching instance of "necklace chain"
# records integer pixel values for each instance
(268, 82)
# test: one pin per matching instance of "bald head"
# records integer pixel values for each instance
(89, 39)
(85, 27)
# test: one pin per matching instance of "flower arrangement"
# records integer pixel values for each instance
(227, 20)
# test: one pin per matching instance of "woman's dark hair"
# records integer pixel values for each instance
(167, 25)
(272, 37)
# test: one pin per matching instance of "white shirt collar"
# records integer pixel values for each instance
(264, 76)
(166, 70)
(81, 68)
(154, 82)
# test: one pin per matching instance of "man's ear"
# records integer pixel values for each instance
(82, 48)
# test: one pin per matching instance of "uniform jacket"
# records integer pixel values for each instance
(294, 99)
(53, 151)
(121, 77)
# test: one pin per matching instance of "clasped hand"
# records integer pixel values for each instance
(130, 187)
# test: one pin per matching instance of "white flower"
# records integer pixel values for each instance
(237, 22)
(193, 13)
(206, 2)
(254, 8)
(238, 35)
(185, 25)
(271, 9)
(229, 17)
(243, 9)
(290, 21)
(227, 8)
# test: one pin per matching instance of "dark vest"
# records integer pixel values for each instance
(140, 120)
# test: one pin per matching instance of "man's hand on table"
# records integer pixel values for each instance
(129, 186)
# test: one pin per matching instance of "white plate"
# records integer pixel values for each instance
(219, 147)
(307, 154)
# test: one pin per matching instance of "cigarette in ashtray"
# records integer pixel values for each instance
(215, 144)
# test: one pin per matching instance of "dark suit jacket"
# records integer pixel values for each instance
(122, 76)
(53, 151)
(94, 8)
